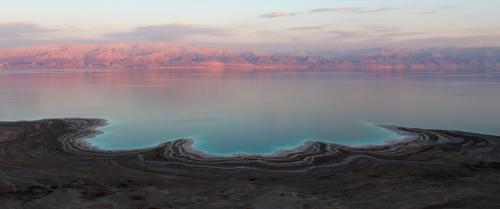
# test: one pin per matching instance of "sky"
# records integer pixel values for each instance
(275, 25)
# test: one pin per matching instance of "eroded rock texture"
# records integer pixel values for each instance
(46, 164)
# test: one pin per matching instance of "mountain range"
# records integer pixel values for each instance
(162, 55)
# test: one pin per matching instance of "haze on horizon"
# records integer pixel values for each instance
(275, 25)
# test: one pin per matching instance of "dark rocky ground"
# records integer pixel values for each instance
(45, 164)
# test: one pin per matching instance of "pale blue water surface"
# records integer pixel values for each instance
(251, 112)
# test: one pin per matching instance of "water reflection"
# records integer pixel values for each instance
(248, 111)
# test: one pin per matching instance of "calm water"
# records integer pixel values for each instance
(249, 112)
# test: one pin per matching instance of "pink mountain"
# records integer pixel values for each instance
(126, 55)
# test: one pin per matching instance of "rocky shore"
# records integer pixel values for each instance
(45, 164)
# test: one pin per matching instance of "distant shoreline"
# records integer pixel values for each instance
(164, 56)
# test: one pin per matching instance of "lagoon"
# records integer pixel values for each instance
(251, 112)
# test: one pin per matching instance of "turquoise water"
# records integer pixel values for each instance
(249, 112)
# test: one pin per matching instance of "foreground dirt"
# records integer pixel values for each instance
(45, 165)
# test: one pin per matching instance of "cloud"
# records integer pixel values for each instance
(316, 27)
(22, 34)
(381, 28)
(26, 34)
(445, 41)
(348, 34)
(381, 34)
(337, 9)
(348, 10)
(167, 32)
(447, 7)
(437, 10)
(280, 14)
(431, 12)
(352, 10)
(384, 9)
(17, 30)
(404, 40)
